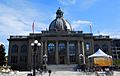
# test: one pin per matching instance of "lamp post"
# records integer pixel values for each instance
(34, 45)
(83, 65)
(45, 59)
(81, 58)
(49, 71)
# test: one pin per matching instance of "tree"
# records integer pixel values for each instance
(2, 55)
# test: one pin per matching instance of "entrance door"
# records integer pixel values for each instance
(62, 60)
(72, 59)
(51, 59)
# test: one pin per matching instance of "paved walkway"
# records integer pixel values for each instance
(55, 73)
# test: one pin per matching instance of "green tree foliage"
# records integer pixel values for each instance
(2, 55)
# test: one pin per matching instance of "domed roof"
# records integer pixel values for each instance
(60, 24)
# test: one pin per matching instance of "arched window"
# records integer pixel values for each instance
(61, 47)
(105, 48)
(23, 49)
(72, 49)
(14, 48)
(87, 46)
(51, 47)
(96, 47)
(14, 59)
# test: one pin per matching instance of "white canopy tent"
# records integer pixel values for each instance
(99, 53)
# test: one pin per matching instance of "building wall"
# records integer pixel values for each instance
(83, 45)
(17, 57)
(116, 51)
(103, 43)
(89, 49)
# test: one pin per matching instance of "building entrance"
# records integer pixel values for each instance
(51, 59)
(62, 59)
(72, 59)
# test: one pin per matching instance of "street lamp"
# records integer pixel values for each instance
(45, 59)
(49, 71)
(34, 45)
(81, 58)
(83, 65)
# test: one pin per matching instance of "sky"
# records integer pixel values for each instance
(17, 16)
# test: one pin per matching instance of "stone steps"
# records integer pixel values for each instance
(61, 67)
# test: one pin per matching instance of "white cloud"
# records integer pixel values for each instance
(111, 34)
(18, 20)
(67, 2)
(80, 24)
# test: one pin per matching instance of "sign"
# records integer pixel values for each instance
(103, 61)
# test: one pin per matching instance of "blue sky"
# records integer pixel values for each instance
(17, 16)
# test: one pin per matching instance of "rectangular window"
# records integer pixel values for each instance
(72, 59)
(87, 46)
(72, 49)
(23, 59)
(14, 59)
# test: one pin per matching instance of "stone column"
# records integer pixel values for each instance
(83, 52)
(78, 52)
(56, 53)
(68, 58)
(41, 52)
(46, 52)
(46, 47)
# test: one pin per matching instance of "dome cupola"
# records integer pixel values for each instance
(59, 13)
(60, 24)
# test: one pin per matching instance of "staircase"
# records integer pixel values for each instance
(61, 67)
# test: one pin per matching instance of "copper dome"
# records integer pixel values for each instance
(60, 24)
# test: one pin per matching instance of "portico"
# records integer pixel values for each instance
(63, 52)
(62, 49)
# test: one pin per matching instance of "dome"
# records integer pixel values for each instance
(60, 24)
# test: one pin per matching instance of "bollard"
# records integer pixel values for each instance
(49, 71)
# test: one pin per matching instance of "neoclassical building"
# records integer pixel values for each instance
(60, 43)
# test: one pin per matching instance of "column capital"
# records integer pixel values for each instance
(82, 40)
(44, 40)
(68, 40)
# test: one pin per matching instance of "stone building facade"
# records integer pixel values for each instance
(116, 51)
(60, 43)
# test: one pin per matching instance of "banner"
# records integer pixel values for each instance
(103, 61)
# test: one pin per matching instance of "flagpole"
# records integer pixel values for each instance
(90, 28)
(33, 29)
(32, 41)
(33, 26)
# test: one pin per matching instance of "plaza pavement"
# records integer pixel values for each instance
(55, 73)
(57, 70)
